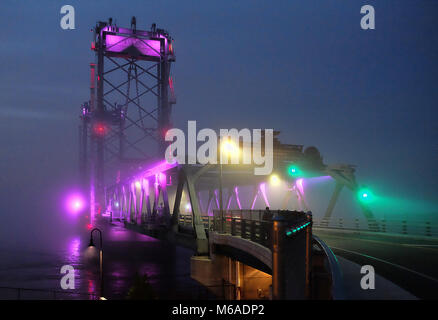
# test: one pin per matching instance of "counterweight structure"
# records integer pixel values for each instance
(131, 97)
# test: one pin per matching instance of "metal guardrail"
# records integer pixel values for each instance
(337, 289)
(403, 227)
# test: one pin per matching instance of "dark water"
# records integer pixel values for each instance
(125, 253)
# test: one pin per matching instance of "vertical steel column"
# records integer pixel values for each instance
(83, 154)
(177, 203)
(332, 203)
(308, 255)
(163, 98)
(277, 262)
(100, 110)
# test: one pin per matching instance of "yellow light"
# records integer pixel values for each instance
(229, 148)
(274, 180)
(138, 184)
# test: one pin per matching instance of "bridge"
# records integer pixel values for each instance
(216, 209)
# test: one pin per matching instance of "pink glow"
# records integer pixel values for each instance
(146, 186)
(162, 178)
(229, 202)
(299, 184)
(145, 46)
(301, 196)
(236, 191)
(75, 203)
(254, 201)
(217, 198)
(262, 188)
(160, 167)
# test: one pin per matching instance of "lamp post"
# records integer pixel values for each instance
(100, 257)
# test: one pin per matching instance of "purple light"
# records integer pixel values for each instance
(144, 46)
(75, 203)
(263, 190)
(236, 190)
(299, 184)
(217, 198)
(229, 202)
(159, 168)
(254, 201)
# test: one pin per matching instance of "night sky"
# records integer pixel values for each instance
(305, 68)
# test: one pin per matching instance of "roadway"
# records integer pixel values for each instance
(410, 263)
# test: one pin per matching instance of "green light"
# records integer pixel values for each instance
(293, 171)
(365, 195)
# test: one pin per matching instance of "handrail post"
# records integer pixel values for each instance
(243, 228)
(253, 236)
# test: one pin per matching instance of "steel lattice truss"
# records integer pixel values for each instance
(138, 115)
(124, 123)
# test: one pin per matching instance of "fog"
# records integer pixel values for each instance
(306, 69)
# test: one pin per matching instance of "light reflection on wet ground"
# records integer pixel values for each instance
(125, 254)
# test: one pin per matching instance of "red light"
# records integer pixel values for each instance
(100, 129)
(89, 226)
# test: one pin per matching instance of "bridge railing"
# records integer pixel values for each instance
(186, 220)
(337, 282)
(403, 227)
(248, 224)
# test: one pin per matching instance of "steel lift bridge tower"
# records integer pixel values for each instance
(131, 96)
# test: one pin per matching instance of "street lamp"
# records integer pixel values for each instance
(228, 148)
(100, 256)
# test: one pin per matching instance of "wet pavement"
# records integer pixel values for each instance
(125, 254)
